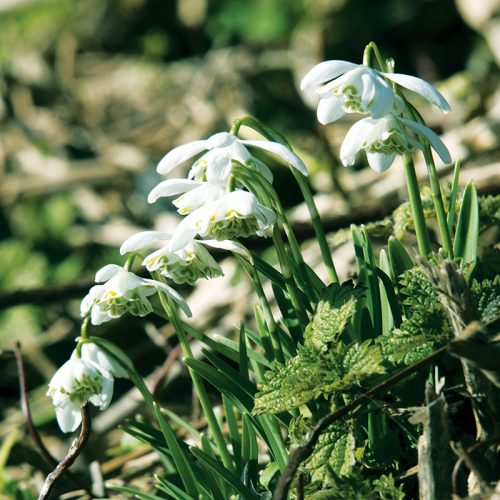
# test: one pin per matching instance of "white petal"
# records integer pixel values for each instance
(263, 170)
(171, 187)
(103, 399)
(327, 70)
(432, 137)
(98, 317)
(173, 294)
(354, 139)
(283, 152)
(421, 87)
(239, 152)
(92, 352)
(179, 155)
(242, 202)
(69, 417)
(107, 272)
(220, 140)
(142, 240)
(186, 230)
(380, 161)
(377, 96)
(88, 301)
(330, 109)
(219, 167)
(231, 246)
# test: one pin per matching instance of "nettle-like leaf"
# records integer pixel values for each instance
(489, 211)
(334, 454)
(416, 289)
(487, 295)
(417, 336)
(334, 310)
(311, 374)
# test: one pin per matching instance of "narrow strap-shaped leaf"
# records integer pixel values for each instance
(398, 257)
(171, 489)
(249, 449)
(242, 348)
(234, 434)
(274, 439)
(230, 372)
(453, 197)
(242, 399)
(289, 318)
(391, 312)
(213, 480)
(467, 233)
(144, 496)
(181, 462)
(226, 475)
(181, 423)
(269, 272)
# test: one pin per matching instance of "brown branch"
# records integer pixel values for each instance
(29, 421)
(303, 451)
(73, 453)
(465, 459)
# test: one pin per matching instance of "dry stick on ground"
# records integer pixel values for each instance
(303, 451)
(74, 451)
(29, 421)
(465, 458)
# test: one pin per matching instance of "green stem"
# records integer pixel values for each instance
(437, 198)
(271, 324)
(289, 281)
(198, 385)
(424, 245)
(453, 196)
(317, 225)
(367, 56)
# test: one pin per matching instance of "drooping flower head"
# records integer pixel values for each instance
(345, 87)
(185, 265)
(78, 381)
(386, 137)
(92, 353)
(237, 214)
(123, 292)
(221, 149)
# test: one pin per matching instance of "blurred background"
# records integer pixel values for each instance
(93, 93)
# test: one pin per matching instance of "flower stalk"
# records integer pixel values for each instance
(424, 245)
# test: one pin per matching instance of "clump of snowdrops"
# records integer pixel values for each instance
(356, 389)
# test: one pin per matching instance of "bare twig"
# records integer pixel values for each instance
(74, 451)
(465, 458)
(29, 421)
(303, 451)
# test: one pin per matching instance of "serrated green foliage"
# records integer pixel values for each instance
(312, 373)
(334, 453)
(355, 487)
(487, 296)
(417, 290)
(335, 308)
(489, 211)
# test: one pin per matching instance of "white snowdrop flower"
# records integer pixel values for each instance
(237, 214)
(345, 87)
(195, 193)
(94, 354)
(385, 138)
(75, 383)
(123, 292)
(222, 148)
(185, 265)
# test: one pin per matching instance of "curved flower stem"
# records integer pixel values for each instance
(367, 60)
(271, 323)
(74, 451)
(288, 277)
(437, 198)
(198, 385)
(424, 245)
(317, 225)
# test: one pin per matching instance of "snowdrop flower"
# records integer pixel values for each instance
(75, 383)
(94, 354)
(237, 214)
(185, 265)
(222, 148)
(345, 87)
(196, 193)
(385, 138)
(123, 292)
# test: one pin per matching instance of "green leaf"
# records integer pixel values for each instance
(288, 314)
(398, 257)
(487, 296)
(133, 493)
(334, 452)
(467, 233)
(223, 473)
(171, 489)
(181, 462)
(242, 348)
(335, 308)
(453, 197)
(249, 450)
